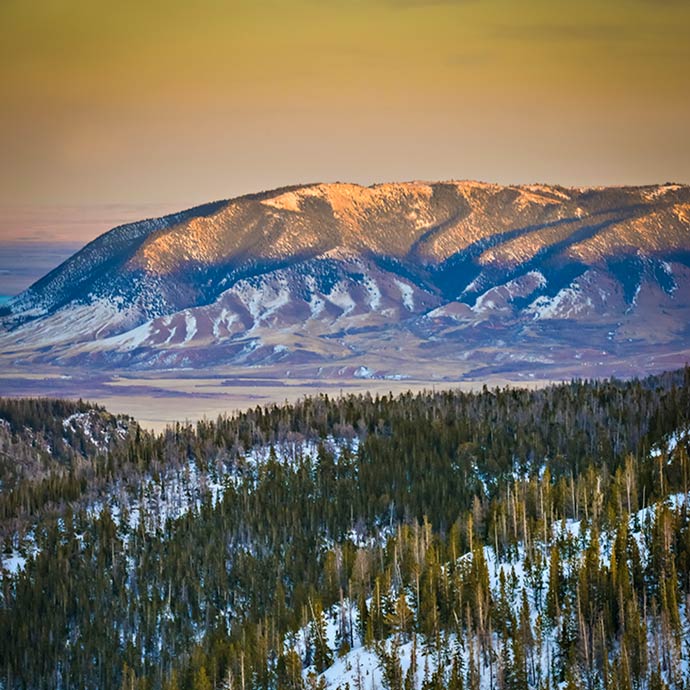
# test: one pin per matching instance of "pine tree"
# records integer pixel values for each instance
(390, 663)
(289, 671)
(518, 679)
(201, 680)
(323, 655)
(553, 596)
(525, 635)
(172, 682)
(401, 620)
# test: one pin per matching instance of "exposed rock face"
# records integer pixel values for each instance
(393, 276)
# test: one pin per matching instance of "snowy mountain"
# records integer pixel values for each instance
(385, 281)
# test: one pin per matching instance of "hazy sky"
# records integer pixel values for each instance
(174, 103)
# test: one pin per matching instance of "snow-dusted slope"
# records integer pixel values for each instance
(325, 272)
(513, 579)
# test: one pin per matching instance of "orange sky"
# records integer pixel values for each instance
(175, 103)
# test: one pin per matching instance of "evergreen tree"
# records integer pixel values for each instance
(323, 655)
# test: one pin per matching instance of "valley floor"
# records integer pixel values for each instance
(158, 399)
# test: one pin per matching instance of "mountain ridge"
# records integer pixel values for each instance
(325, 273)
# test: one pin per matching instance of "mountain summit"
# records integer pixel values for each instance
(447, 278)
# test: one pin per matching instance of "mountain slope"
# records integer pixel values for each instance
(391, 276)
(543, 532)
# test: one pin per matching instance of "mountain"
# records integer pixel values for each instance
(392, 280)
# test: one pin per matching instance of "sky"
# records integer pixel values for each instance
(162, 105)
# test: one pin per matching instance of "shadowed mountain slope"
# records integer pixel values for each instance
(377, 280)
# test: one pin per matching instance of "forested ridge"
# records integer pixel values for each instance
(506, 538)
(50, 452)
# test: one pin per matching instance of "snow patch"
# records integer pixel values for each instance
(131, 340)
(341, 298)
(407, 294)
(374, 293)
(190, 327)
(363, 373)
(567, 303)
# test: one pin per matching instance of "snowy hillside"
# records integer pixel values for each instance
(412, 273)
(520, 587)
(500, 540)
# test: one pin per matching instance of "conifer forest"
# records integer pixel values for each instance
(501, 539)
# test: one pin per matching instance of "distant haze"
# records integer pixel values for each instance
(34, 240)
(177, 102)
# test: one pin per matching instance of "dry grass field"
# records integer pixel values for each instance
(157, 400)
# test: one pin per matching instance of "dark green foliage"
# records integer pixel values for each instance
(54, 452)
(214, 596)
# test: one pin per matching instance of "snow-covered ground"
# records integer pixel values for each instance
(154, 502)
(157, 501)
(361, 667)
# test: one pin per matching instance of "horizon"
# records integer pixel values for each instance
(130, 105)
